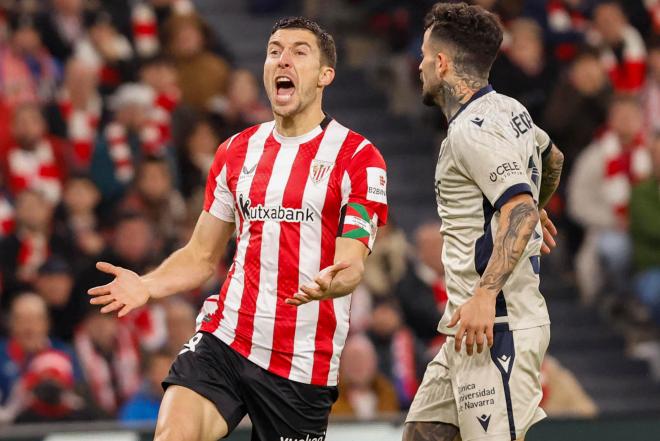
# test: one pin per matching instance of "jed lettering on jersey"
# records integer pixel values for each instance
(277, 213)
(521, 123)
(376, 184)
(505, 170)
(306, 438)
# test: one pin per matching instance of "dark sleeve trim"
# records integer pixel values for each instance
(511, 192)
(546, 152)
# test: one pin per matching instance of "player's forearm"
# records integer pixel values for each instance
(346, 280)
(182, 271)
(550, 175)
(517, 223)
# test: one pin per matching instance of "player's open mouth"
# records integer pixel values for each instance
(284, 87)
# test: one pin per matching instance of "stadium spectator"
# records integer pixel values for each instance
(126, 140)
(363, 391)
(76, 219)
(645, 235)
(54, 284)
(108, 51)
(160, 74)
(6, 213)
(27, 248)
(245, 107)
(623, 52)
(28, 337)
(564, 23)
(429, 267)
(48, 390)
(400, 355)
(578, 105)
(110, 360)
(143, 405)
(521, 71)
(390, 272)
(196, 156)
(62, 26)
(563, 395)
(651, 93)
(203, 75)
(598, 195)
(33, 158)
(180, 320)
(77, 112)
(154, 195)
(29, 73)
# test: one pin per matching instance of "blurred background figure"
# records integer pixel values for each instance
(63, 26)
(363, 391)
(32, 158)
(24, 251)
(180, 322)
(110, 360)
(598, 196)
(623, 52)
(28, 338)
(144, 404)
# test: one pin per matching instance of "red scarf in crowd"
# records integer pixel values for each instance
(120, 151)
(124, 367)
(36, 169)
(33, 251)
(624, 166)
(7, 222)
(82, 125)
(404, 367)
(161, 115)
(145, 30)
(627, 74)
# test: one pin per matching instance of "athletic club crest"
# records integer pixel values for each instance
(320, 170)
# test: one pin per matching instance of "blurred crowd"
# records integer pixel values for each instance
(110, 115)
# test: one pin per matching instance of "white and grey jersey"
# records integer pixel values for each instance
(492, 152)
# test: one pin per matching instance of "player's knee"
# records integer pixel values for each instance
(427, 431)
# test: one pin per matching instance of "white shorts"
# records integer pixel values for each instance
(491, 396)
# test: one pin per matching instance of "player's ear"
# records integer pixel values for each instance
(441, 64)
(326, 76)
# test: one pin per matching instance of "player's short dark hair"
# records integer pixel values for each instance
(323, 38)
(474, 33)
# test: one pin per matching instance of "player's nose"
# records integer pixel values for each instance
(285, 59)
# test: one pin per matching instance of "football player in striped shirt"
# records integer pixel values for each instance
(496, 170)
(305, 196)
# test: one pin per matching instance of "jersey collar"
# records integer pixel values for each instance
(306, 137)
(478, 94)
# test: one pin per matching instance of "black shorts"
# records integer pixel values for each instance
(278, 407)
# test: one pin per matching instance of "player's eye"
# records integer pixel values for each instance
(274, 52)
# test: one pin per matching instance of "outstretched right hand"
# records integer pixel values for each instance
(126, 292)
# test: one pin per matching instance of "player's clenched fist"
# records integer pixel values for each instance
(126, 292)
(475, 318)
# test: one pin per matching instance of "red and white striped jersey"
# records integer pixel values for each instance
(290, 197)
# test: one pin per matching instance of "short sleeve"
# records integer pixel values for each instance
(543, 141)
(364, 196)
(493, 162)
(218, 199)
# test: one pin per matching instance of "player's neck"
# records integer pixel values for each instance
(300, 123)
(456, 94)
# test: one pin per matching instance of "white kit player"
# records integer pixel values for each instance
(496, 170)
(305, 196)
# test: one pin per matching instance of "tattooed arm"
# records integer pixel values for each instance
(430, 431)
(551, 171)
(518, 218)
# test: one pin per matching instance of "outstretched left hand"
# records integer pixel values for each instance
(319, 289)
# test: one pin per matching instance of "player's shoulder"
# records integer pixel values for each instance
(242, 138)
(488, 118)
(355, 145)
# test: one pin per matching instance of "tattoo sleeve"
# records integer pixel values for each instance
(423, 431)
(516, 226)
(551, 171)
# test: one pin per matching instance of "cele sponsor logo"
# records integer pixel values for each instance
(376, 185)
(505, 170)
(276, 213)
(306, 438)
